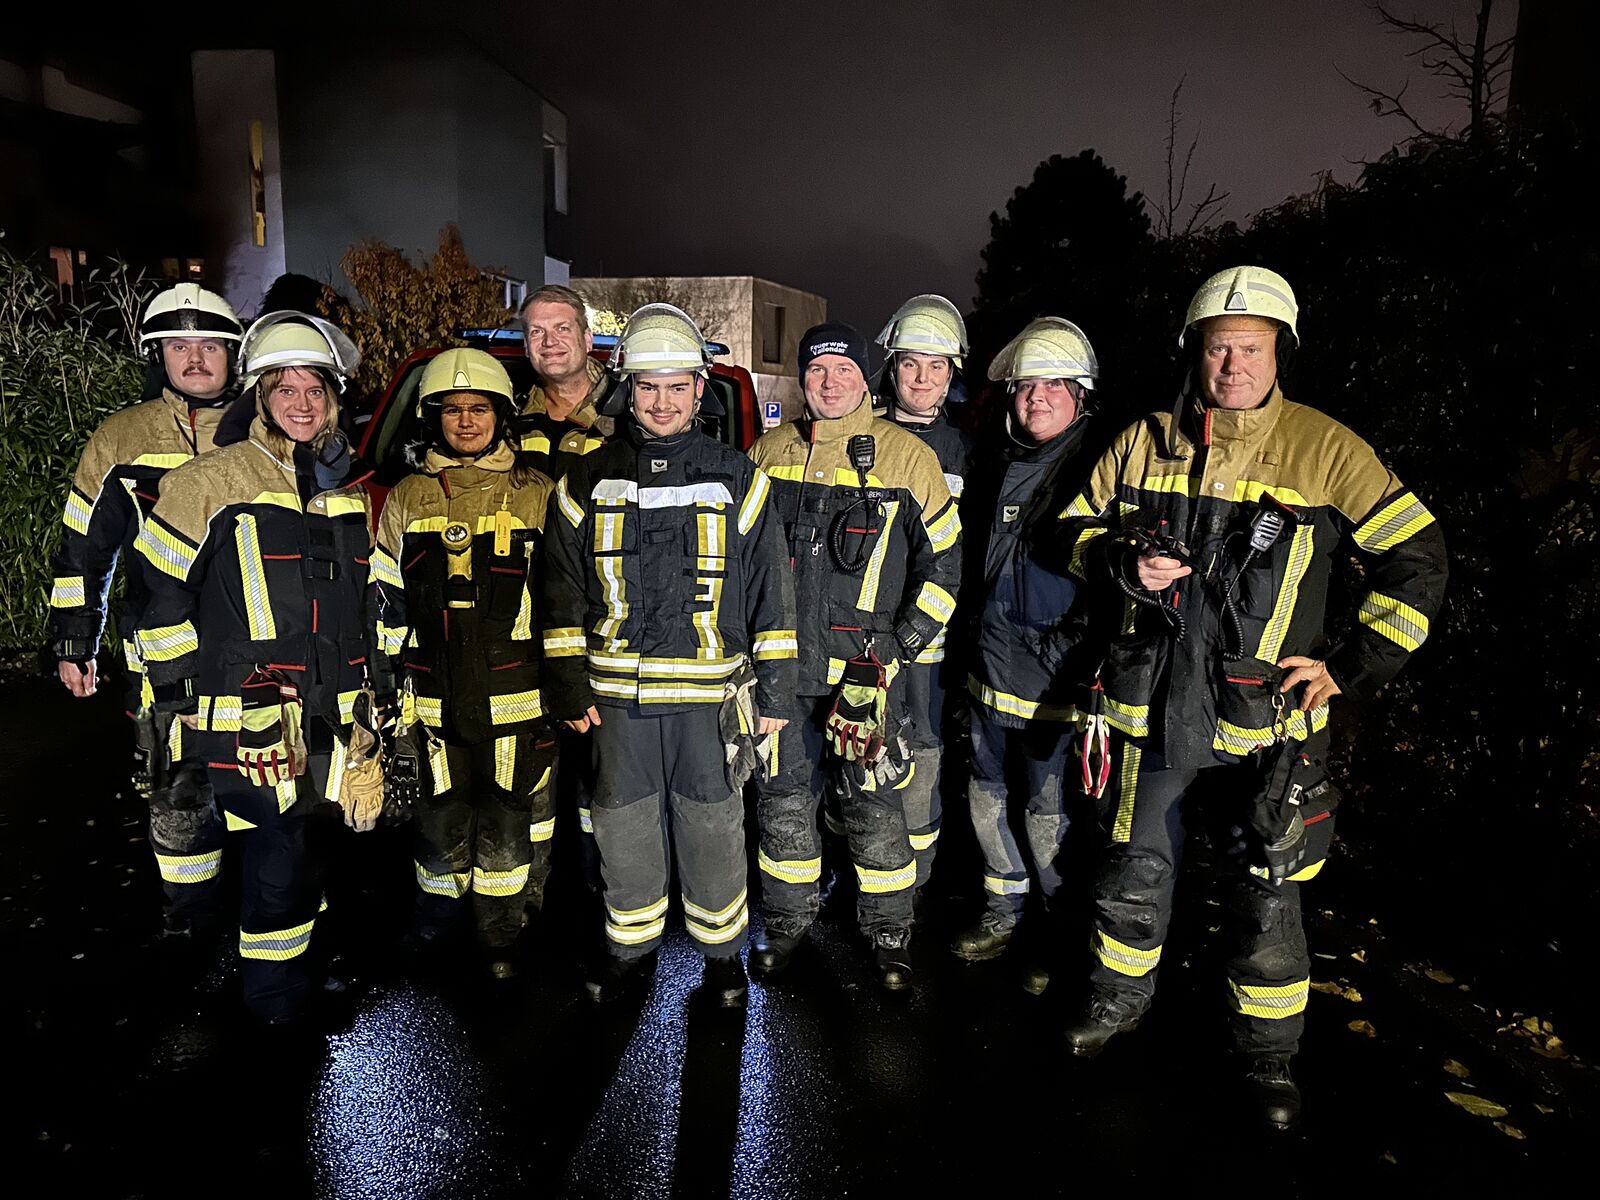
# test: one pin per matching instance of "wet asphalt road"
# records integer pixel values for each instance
(136, 1075)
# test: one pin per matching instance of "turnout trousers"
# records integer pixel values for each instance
(1018, 795)
(662, 795)
(281, 885)
(485, 831)
(925, 704)
(1268, 969)
(799, 767)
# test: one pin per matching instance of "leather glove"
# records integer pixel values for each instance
(854, 727)
(361, 784)
(737, 718)
(269, 746)
(405, 750)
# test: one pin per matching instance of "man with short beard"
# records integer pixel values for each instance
(189, 336)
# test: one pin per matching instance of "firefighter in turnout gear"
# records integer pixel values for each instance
(670, 642)
(189, 336)
(454, 573)
(926, 341)
(873, 538)
(560, 420)
(257, 560)
(1030, 634)
(1223, 520)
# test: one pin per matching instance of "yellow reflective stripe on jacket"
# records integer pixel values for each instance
(1396, 521)
(517, 706)
(836, 670)
(166, 550)
(1016, 706)
(220, 714)
(344, 506)
(791, 870)
(66, 591)
(1270, 1003)
(1288, 595)
(1131, 719)
(392, 638)
(385, 568)
(253, 578)
(1236, 739)
(570, 509)
(867, 600)
(164, 643)
(775, 643)
(1395, 619)
(450, 884)
(1182, 482)
(499, 883)
(876, 882)
(945, 528)
(189, 868)
(1080, 548)
(276, 945)
(1123, 958)
(754, 499)
(77, 513)
(566, 642)
(936, 602)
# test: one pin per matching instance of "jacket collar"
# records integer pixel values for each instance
(1195, 423)
(499, 460)
(822, 432)
(588, 411)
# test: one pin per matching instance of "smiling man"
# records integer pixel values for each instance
(560, 420)
(669, 643)
(189, 336)
(873, 538)
(1227, 517)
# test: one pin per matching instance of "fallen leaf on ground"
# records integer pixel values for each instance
(1478, 1106)
(1363, 1027)
(1545, 1109)
(1328, 986)
(1531, 1024)
(1352, 995)
(1388, 1157)
(1360, 956)
(1552, 1048)
(1511, 1131)
(1320, 954)
(1456, 1069)
(1438, 976)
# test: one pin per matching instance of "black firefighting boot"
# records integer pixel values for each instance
(773, 953)
(724, 982)
(891, 954)
(1103, 1020)
(985, 938)
(1271, 1090)
(614, 976)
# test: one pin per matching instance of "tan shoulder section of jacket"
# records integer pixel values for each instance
(153, 434)
(905, 460)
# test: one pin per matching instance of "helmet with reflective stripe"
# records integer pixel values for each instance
(463, 370)
(1047, 348)
(661, 337)
(926, 324)
(188, 310)
(1245, 291)
(293, 339)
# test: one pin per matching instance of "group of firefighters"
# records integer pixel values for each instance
(580, 602)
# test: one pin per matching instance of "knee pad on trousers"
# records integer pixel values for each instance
(181, 830)
(920, 797)
(1269, 941)
(628, 830)
(1130, 889)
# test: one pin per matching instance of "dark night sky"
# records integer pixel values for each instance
(857, 149)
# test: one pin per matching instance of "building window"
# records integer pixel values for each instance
(772, 333)
(555, 175)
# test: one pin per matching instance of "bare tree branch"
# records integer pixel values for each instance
(1395, 100)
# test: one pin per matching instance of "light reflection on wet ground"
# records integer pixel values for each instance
(141, 1078)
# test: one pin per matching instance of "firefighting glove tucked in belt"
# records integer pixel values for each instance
(269, 747)
(855, 723)
(361, 783)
